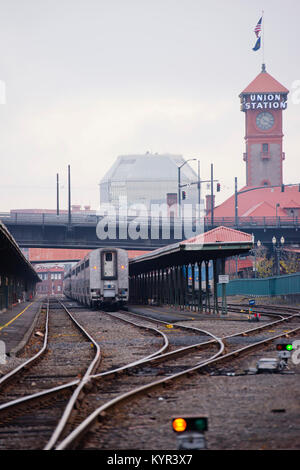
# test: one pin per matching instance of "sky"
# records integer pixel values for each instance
(84, 81)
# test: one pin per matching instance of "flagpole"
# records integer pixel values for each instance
(263, 38)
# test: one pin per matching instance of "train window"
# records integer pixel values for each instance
(109, 265)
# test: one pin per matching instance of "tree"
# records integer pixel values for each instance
(289, 262)
(264, 265)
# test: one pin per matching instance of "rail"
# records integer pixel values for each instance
(31, 218)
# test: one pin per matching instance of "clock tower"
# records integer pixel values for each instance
(263, 102)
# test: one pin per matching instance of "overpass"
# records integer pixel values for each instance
(44, 230)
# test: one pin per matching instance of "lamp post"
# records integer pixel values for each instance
(277, 249)
(179, 183)
(258, 246)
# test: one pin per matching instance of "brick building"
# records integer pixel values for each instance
(52, 280)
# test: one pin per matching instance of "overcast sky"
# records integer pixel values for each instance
(88, 80)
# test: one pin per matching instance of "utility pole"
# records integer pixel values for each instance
(199, 191)
(235, 202)
(212, 194)
(179, 193)
(57, 194)
(69, 197)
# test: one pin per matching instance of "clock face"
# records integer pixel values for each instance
(265, 121)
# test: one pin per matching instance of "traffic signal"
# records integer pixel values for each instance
(218, 187)
(190, 424)
(183, 195)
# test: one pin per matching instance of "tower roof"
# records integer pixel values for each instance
(264, 83)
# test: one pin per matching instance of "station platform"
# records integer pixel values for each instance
(173, 315)
(16, 325)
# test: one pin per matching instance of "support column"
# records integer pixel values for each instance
(224, 300)
(215, 277)
(186, 285)
(193, 287)
(207, 302)
(181, 289)
(200, 302)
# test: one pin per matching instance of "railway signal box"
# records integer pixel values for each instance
(284, 347)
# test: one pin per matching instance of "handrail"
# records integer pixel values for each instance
(44, 218)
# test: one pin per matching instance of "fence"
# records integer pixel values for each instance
(269, 286)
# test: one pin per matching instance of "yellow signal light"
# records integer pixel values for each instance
(179, 424)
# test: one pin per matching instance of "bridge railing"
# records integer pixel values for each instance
(255, 222)
(28, 218)
(47, 219)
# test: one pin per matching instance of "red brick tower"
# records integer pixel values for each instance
(263, 101)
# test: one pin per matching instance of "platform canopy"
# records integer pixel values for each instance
(12, 260)
(221, 242)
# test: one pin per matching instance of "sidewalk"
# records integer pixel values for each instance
(16, 325)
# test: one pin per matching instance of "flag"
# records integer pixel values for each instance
(257, 28)
(257, 45)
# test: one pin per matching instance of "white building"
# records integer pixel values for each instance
(148, 179)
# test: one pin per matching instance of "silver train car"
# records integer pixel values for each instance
(100, 280)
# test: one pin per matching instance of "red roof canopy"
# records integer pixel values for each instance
(220, 235)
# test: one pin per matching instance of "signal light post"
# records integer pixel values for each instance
(284, 348)
(190, 431)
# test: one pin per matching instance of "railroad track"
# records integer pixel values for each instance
(143, 377)
(20, 407)
(52, 373)
(265, 308)
(110, 388)
(17, 402)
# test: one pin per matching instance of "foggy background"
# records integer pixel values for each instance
(88, 80)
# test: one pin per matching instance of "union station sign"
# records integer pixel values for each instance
(263, 101)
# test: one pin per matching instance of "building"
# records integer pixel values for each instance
(148, 179)
(263, 102)
(17, 277)
(52, 280)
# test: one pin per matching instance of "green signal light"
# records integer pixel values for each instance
(201, 424)
(289, 347)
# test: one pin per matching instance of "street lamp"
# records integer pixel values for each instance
(258, 243)
(277, 205)
(277, 249)
(179, 185)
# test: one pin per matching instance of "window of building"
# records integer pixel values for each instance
(265, 148)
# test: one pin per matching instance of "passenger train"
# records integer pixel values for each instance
(100, 280)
